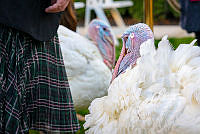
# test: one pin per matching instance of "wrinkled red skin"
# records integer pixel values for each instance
(119, 61)
(130, 57)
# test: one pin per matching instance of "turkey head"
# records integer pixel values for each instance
(100, 33)
(132, 38)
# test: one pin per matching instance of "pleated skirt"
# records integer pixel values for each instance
(34, 90)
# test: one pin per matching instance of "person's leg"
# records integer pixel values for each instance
(197, 34)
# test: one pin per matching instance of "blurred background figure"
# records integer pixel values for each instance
(190, 17)
(68, 18)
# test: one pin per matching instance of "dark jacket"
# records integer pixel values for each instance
(29, 16)
(190, 15)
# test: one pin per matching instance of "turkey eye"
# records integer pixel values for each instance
(125, 38)
(104, 29)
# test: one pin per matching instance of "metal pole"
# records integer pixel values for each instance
(148, 14)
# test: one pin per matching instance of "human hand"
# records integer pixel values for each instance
(57, 6)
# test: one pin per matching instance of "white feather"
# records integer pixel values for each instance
(88, 76)
(160, 95)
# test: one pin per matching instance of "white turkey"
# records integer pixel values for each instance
(86, 66)
(154, 91)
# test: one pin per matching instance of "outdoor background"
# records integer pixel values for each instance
(163, 13)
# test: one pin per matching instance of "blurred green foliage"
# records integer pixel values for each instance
(161, 10)
(34, 132)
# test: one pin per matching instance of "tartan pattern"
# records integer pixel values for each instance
(34, 90)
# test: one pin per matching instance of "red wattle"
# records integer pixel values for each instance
(118, 62)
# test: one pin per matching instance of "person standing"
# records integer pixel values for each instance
(190, 17)
(34, 90)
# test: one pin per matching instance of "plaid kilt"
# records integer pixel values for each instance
(34, 90)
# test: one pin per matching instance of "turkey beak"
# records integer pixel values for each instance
(110, 40)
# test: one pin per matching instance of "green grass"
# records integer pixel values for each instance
(174, 41)
(34, 132)
(82, 112)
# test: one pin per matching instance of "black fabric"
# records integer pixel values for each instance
(190, 15)
(29, 16)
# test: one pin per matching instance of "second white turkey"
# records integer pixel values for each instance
(88, 63)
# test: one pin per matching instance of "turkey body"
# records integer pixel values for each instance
(159, 95)
(88, 75)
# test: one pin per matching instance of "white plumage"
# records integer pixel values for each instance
(160, 95)
(88, 75)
